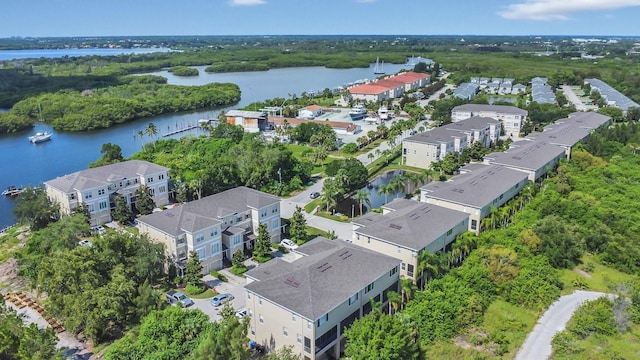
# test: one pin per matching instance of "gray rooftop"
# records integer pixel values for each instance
(330, 273)
(570, 131)
(500, 109)
(206, 212)
(466, 90)
(612, 94)
(434, 136)
(542, 93)
(472, 123)
(527, 155)
(411, 224)
(477, 187)
(104, 175)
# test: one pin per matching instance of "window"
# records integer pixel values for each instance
(72, 196)
(199, 238)
(368, 288)
(368, 240)
(246, 216)
(91, 208)
(248, 295)
(399, 250)
(102, 205)
(299, 338)
(237, 239)
(135, 181)
(404, 266)
(260, 301)
(149, 180)
(474, 224)
(449, 232)
(285, 331)
(293, 317)
(152, 191)
(323, 319)
(275, 223)
(261, 318)
(215, 248)
(250, 312)
(353, 299)
(162, 189)
(253, 330)
(88, 195)
(393, 271)
(274, 210)
(307, 344)
(239, 218)
(101, 192)
(409, 270)
(161, 176)
(501, 196)
(202, 253)
(214, 232)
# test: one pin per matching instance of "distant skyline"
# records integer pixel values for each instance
(53, 18)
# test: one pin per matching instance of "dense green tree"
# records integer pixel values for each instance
(613, 112)
(558, 242)
(193, 270)
(172, 333)
(283, 353)
(144, 201)
(381, 337)
(34, 208)
(298, 226)
(262, 248)
(229, 341)
(362, 197)
(111, 153)
(121, 213)
(237, 260)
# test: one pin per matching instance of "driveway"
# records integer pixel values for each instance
(538, 343)
(571, 96)
(234, 287)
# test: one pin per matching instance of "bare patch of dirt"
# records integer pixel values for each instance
(583, 273)
(9, 278)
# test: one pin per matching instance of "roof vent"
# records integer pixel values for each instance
(292, 282)
(394, 226)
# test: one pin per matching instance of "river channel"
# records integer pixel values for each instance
(26, 164)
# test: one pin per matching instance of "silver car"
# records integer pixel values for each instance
(221, 299)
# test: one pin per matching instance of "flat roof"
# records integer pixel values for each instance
(570, 131)
(477, 187)
(328, 274)
(411, 224)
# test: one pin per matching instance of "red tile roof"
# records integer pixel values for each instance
(313, 107)
(392, 82)
(410, 76)
(372, 89)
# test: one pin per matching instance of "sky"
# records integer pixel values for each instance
(44, 18)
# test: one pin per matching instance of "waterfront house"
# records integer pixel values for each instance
(341, 128)
(251, 121)
(307, 300)
(406, 228)
(475, 191)
(99, 187)
(215, 227)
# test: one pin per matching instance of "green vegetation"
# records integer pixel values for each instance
(236, 67)
(218, 275)
(184, 71)
(108, 106)
(35, 209)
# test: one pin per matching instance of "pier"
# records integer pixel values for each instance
(182, 129)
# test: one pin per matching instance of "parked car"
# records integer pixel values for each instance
(314, 195)
(98, 229)
(221, 299)
(176, 297)
(241, 313)
(85, 243)
(288, 244)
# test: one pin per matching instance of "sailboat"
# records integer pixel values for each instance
(379, 69)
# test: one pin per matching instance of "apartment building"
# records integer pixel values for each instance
(389, 87)
(215, 227)
(475, 191)
(512, 118)
(422, 149)
(531, 156)
(612, 96)
(406, 228)
(308, 301)
(99, 187)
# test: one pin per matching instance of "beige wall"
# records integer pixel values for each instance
(419, 155)
(276, 319)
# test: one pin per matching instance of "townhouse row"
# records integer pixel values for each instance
(390, 87)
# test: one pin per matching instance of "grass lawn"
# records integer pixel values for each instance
(314, 232)
(297, 153)
(9, 242)
(600, 278)
(207, 294)
(618, 346)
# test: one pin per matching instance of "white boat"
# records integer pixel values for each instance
(40, 137)
(383, 113)
(358, 112)
(370, 120)
(12, 191)
(379, 69)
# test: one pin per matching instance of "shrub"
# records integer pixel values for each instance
(219, 276)
(239, 270)
(350, 148)
(195, 289)
(282, 249)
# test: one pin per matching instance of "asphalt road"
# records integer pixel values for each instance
(537, 346)
(571, 96)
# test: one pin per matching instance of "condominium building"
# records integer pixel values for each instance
(531, 156)
(422, 149)
(306, 302)
(406, 228)
(475, 191)
(215, 227)
(512, 118)
(99, 187)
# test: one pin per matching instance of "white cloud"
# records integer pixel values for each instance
(560, 9)
(246, 2)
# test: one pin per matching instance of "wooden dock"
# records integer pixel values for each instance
(180, 130)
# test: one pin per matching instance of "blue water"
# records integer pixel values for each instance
(25, 164)
(58, 53)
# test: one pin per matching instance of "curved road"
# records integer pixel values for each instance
(538, 343)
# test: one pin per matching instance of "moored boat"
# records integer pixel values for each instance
(383, 113)
(358, 112)
(40, 137)
(12, 191)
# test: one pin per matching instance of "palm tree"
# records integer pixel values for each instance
(427, 265)
(395, 300)
(397, 184)
(141, 135)
(370, 156)
(362, 196)
(330, 193)
(151, 130)
(408, 289)
(371, 135)
(387, 189)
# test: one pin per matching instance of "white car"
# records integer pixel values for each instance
(99, 229)
(85, 243)
(288, 244)
(241, 313)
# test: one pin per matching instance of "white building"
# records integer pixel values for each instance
(512, 118)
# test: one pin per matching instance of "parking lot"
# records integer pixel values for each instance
(233, 286)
